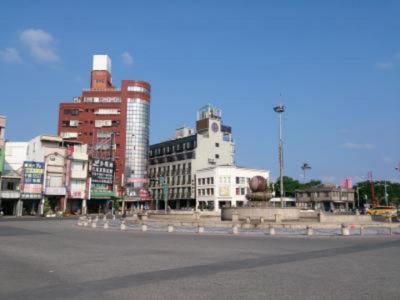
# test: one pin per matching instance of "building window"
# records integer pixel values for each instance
(212, 180)
(135, 88)
(216, 155)
(73, 112)
(10, 186)
(237, 191)
(217, 145)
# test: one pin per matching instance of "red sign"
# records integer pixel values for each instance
(144, 194)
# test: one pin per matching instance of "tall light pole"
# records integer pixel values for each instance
(280, 109)
(305, 167)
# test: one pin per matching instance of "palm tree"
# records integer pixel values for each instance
(305, 167)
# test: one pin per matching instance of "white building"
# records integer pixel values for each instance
(15, 155)
(48, 149)
(224, 185)
(176, 161)
(77, 178)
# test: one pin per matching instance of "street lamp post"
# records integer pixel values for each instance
(165, 187)
(280, 109)
(305, 167)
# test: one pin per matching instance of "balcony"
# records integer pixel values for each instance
(78, 174)
(79, 156)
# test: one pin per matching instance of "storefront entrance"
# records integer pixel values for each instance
(8, 207)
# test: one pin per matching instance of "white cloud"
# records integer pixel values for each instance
(385, 66)
(10, 55)
(127, 58)
(350, 145)
(40, 44)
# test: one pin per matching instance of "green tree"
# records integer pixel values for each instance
(46, 206)
(392, 189)
(290, 185)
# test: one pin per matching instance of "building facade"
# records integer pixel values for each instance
(47, 168)
(114, 123)
(174, 163)
(325, 197)
(77, 183)
(49, 151)
(2, 142)
(15, 155)
(227, 185)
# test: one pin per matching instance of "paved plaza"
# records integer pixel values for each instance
(55, 259)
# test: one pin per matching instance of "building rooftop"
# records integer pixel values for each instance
(233, 166)
(322, 187)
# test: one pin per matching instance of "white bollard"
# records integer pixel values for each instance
(345, 230)
(94, 224)
(85, 223)
(361, 230)
(309, 230)
(104, 218)
(113, 217)
(123, 226)
(170, 228)
(144, 227)
(235, 229)
(271, 230)
(390, 230)
(105, 226)
(200, 229)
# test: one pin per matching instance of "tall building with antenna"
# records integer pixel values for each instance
(114, 123)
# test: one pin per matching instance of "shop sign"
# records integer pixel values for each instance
(55, 191)
(33, 177)
(102, 171)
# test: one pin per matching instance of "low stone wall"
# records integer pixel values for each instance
(308, 214)
(256, 213)
(353, 219)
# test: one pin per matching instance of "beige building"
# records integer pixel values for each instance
(325, 197)
(177, 160)
(76, 178)
(48, 149)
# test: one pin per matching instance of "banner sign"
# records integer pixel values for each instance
(138, 180)
(33, 177)
(102, 171)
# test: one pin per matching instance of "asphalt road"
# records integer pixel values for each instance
(58, 260)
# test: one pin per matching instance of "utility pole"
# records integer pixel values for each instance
(386, 195)
(305, 167)
(165, 187)
(280, 109)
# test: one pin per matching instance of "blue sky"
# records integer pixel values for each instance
(336, 66)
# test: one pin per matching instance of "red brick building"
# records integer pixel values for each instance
(105, 115)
